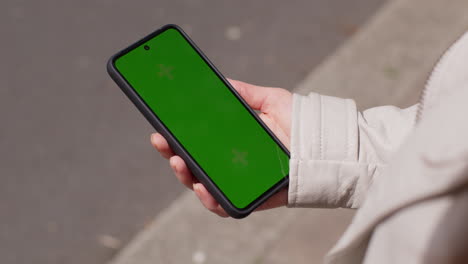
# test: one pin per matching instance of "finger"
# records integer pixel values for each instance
(160, 143)
(208, 201)
(182, 172)
(255, 96)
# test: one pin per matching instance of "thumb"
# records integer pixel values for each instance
(255, 96)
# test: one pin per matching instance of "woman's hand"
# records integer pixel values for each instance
(274, 105)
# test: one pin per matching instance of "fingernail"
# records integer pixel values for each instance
(196, 189)
(174, 167)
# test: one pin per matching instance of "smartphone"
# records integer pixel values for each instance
(205, 121)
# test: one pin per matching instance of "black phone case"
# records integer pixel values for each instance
(197, 171)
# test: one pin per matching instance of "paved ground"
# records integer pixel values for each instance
(77, 175)
(386, 62)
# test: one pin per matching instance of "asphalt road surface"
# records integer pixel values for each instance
(78, 176)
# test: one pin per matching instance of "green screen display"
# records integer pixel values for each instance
(205, 116)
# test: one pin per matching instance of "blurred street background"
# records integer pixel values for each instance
(78, 176)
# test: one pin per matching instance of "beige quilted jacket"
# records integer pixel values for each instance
(405, 169)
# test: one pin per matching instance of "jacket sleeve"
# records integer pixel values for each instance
(336, 151)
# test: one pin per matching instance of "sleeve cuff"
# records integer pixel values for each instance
(324, 151)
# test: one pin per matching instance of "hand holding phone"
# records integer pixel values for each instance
(274, 105)
(207, 123)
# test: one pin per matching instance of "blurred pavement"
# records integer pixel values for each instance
(387, 62)
(78, 177)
